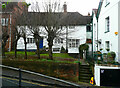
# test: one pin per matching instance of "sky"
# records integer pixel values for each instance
(81, 6)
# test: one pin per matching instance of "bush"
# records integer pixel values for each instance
(63, 50)
(60, 70)
(43, 51)
(113, 54)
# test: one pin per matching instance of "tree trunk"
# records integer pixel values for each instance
(25, 48)
(38, 50)
(3, 50)
(50, 53)
(16, 49)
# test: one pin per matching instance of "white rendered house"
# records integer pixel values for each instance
(76, 28)
(108, 27)
(76, 36)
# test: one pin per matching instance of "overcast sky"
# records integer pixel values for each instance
(81, 6)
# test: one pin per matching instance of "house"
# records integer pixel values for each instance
(9, 10)
(75, 28)
(106, 25)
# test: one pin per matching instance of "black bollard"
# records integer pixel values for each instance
(20, 77)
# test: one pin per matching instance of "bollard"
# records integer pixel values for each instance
(20, 77)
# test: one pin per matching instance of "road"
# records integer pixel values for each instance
(12, 82)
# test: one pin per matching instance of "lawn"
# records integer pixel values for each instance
(57, 57)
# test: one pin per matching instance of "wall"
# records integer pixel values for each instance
(79, 32)
(94, 32)
(110, 10)
(119, 31)
(97, 72)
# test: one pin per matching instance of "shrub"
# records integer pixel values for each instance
(50, 68)
(43, 51)
(113, 54)
(63, 50)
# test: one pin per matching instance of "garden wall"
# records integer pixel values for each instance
(66, 71)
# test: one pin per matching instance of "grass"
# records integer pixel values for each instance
(61, 55)
(20, 52)
(57, 57)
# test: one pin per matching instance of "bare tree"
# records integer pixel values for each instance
(34, 27)
(24, 30)
(52, 22)
(17, 17)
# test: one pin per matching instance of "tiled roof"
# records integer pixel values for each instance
(95, 11)
(69, 18)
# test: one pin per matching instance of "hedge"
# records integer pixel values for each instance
(66, 71)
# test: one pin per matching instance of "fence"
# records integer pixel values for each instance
(21, 74)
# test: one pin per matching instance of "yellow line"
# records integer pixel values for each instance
(24, 81)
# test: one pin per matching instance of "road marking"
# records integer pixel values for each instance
(24, 81)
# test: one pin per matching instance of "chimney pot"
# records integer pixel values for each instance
(65, 7)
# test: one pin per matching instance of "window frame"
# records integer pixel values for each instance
(30, 40)
(107, 2)
(73, 43)
(107, 24)
(4, 21)
(58, 40)
(107, 44)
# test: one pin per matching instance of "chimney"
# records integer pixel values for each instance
(65, 7)
(88, 14)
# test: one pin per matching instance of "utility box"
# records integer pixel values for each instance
(107, 76)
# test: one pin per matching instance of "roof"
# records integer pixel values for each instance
(65, 19)
(99, 8)
(95, 11)
(9, 6)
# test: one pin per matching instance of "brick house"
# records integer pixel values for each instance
(9, 10)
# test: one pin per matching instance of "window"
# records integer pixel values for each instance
(73, 43)
(4, 21)
(59, 40)
(107, 2)
(88, 29)
(107, 43)
(56, 49)
(107, 24)
(30, 40)
(71, 27)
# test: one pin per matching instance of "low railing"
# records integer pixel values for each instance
(38, 74)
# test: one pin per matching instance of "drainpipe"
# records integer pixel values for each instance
(10, 35)
(92, 38)
(97, 34)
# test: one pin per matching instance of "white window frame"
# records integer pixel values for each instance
(30, 40)
(58, 41)
(107, 44)
(73, 43)
(107, 2)
(71, 27)
(107, 24)
(4, 21)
